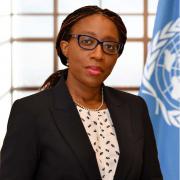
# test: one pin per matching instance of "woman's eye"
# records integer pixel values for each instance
(87, 41)
(110, 47)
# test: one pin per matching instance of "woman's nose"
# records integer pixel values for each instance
(98, 52)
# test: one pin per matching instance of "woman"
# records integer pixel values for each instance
(78, 128)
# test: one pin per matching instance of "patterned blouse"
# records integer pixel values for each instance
(100, 130)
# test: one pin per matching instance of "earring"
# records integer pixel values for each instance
(67, 63)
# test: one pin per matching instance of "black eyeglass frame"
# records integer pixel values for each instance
(77, 36)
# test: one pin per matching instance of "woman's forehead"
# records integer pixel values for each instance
(97, 25)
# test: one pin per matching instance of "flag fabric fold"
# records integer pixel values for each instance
(160, 86)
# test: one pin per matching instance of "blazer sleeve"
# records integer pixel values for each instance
(20, 148)
(151, 167)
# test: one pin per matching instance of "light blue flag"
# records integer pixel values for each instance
(161, 86)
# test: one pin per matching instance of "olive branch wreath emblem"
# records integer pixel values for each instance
(172, 117)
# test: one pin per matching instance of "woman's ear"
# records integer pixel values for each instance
(64, 47)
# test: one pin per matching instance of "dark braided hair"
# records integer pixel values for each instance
(65, 31)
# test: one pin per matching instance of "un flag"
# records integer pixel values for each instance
(161, 86)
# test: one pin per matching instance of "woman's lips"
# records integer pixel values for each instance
(94, 70)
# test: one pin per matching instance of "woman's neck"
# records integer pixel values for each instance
(90, 97)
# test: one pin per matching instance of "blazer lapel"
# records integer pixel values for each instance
(70, 126)
(120, 114)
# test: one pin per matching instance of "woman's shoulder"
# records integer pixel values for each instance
(126, 97)
(37, 101)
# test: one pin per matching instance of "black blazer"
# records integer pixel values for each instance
(46, 139)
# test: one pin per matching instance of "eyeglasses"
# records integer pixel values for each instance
(89, 43)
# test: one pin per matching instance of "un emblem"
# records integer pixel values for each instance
(162, 72)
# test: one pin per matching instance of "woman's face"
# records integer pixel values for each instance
(90, 67)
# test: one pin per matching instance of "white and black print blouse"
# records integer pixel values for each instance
(100, 130)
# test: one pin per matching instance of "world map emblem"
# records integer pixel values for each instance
(162, 72)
